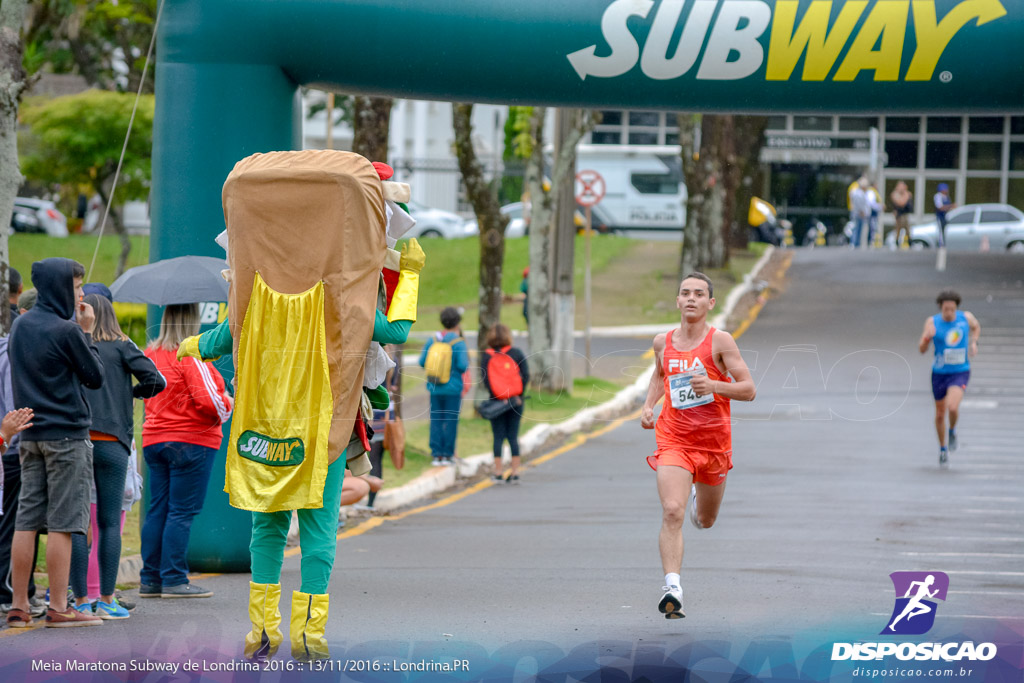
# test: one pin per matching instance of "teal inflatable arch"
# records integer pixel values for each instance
(229, 71)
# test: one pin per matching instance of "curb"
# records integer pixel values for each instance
(440, 479)
(129, 569)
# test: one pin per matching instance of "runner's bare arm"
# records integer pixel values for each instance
(975, 332)
(656, 387)
(727, 354)
(927, 335)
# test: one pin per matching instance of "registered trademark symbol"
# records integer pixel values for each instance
(945, 77)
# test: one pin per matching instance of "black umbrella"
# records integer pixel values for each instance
(181, 280)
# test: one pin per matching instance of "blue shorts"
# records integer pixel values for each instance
(941, 382)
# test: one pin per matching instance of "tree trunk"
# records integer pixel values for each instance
(371, 122)
(551, 326)
(748, 173)
(484, 198)
(694, 175)
(12, 85)
(114, 221)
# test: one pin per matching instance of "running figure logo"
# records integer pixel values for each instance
(914, 612)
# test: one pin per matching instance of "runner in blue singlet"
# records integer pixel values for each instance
(954, 334)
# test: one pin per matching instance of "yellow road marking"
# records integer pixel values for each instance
(755, 310)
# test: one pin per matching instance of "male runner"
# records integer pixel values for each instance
(694, 432)
(955, 335)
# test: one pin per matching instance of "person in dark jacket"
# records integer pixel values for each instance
(14, 289)
(55, 358)
(505, 427)
(111, 436)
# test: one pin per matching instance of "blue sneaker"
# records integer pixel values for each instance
(87, 608)
(110, 610)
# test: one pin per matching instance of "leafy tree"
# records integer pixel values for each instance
(78, 139)
(105, 41)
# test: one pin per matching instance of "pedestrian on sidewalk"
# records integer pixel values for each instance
(445, 358)
(902, 205)
(111, 433)
(954, 333)
(505, 373)
(943, 205)
(693, 363)
(180, 437)
(53, 358)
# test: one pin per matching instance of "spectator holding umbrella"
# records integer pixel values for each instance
(180, 437)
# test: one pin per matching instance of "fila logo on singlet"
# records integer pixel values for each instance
(682, 365)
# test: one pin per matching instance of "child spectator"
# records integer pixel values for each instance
(445, 358)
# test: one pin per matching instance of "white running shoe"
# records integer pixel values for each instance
(671, 604)
(693, 507)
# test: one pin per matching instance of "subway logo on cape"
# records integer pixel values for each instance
(836, 46)
(263, 449)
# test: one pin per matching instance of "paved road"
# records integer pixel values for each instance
(836, 485)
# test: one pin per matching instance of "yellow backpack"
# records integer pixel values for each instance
(438, 366)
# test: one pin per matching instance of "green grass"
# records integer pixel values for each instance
(475, 432)
(25, 249)
(451, 276)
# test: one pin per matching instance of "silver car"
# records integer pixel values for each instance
(432, 222)
(972, 227)
(38, 215)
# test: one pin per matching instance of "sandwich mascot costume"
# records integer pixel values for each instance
(315, 289)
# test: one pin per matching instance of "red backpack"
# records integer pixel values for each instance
(503, 374)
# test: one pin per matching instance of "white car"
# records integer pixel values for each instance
(969, 227)
(437, 223)
(38, 215)
(516, 223)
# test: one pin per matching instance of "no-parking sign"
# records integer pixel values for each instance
(590, 188)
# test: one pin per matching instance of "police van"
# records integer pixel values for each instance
(644, 189)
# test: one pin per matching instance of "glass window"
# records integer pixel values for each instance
(606, 137)
(982, 190)
(611, 118)
(643, 118)
(986, 125)
(643, 138)
(776, 123)
(1017, 156)
(992, 216)
(1017, 125)
(984, 156)
(812, 123)
(943, 124)
(671, 138)
(1015, 192)
(941, 154)
(655, 183)
(902, 153)
(902, 124)
(931, 187)
(962, 218)
(857, 123)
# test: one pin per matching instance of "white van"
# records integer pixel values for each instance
(644, 189)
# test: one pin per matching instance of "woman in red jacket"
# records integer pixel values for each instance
(180, 437)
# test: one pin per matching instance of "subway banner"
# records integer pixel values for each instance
(703, 55)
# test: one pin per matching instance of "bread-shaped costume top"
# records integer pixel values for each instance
(306, 246)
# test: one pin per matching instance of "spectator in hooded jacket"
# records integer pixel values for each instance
(111, 433)
(55, 359)
(180, 437)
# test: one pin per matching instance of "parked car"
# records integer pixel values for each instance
(516, 223)
(438, 223)
(969, 226)
(38, 215)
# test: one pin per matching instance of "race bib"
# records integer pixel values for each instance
(682, 394)
(954, 356)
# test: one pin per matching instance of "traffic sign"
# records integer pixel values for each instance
(590, 188)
